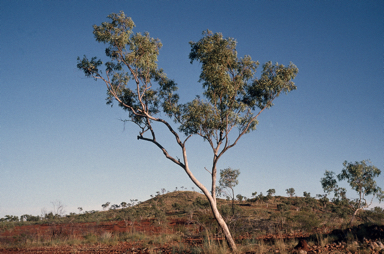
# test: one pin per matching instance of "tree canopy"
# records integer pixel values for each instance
(228, 180)
(360, 176)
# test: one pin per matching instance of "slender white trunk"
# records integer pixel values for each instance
(224, 227)
(353, 216)
(213, 204)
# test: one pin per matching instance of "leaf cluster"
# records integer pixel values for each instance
(133, 56)
(228, 180)
(231, 87)
(360, 176)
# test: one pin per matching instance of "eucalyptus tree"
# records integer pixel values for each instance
(360, 176)
(105, 206)
(290, 192)
(271, 192)
(234, 96)
(228, 180)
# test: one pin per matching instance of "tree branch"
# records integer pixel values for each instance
(178, 162)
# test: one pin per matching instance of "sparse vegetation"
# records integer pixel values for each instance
(360, 176)
(181, 222)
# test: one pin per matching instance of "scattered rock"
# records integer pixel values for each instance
(302, 245)
(374, 245)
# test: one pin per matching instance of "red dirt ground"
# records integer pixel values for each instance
(145, 226)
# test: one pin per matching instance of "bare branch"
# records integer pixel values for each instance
(164, 151)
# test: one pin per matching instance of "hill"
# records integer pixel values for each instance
(181, 222)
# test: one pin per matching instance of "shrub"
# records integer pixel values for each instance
(307, 220)
(282, 207)
(177, 206)
(201, 203)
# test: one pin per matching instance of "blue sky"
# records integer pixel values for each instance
(60, 142)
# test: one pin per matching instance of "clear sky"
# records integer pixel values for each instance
(59, 141)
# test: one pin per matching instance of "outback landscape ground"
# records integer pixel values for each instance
(182, 222)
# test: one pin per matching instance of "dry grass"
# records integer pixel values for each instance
(252, 219)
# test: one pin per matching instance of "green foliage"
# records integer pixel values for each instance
(283, 207)
(138, 52)
(307, 220)
(114, 207)
(177, 206)
(341, 211)
(228, 180)
(201, 203)
(360, 176)
(375, 215)
(271, 192)
(290, 192)
(90, 238)
(52, 217)
(231, 88)
(328, 182)
(10, 218)
(225, 210)
(27, 217)
(240, 197)
(106, 205)
(323, 199)
(159, 215)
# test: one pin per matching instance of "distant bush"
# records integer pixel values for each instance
(201, 203)
(177, 206)
(283, 207)
(226, 210)
(10, 218)
(375, 215)
(27, 217)
(307, 220)
(341, 211)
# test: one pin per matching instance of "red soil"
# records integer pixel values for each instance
(47, 231)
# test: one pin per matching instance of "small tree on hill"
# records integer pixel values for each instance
(114, 207)
(290, 192)
(360, 176)
(271, 192)
(323, 199)
(234, 96)
(106, 205)
(261, 197)
(228, 180)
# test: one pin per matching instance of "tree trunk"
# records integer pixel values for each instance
(213, 204)
(353, 216)
(224, 227)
